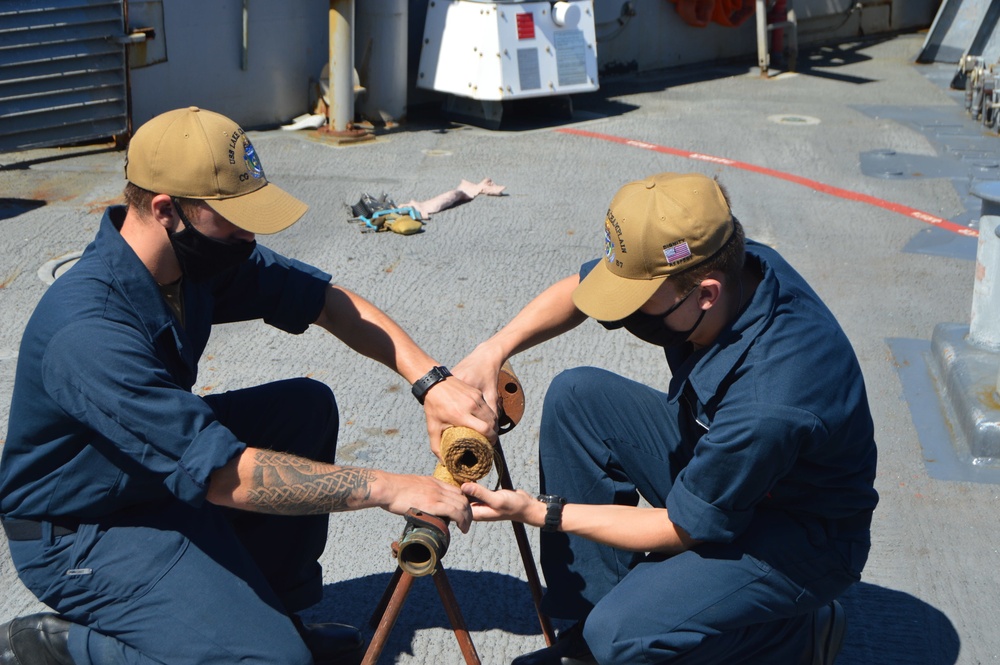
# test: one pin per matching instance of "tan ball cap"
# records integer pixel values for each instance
(197, 154)
(655, 228)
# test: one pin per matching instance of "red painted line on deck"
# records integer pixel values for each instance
(919, 215)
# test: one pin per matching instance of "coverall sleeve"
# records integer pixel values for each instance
(736, 464)
(107, 375)
(283, 292)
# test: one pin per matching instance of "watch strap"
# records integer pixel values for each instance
(553, 511)
(435, 376)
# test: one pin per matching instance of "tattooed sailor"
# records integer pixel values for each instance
(166, 527)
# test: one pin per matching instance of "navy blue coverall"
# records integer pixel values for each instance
(110, 451)
(763, 447)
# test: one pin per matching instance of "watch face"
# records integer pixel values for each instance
(553, 511)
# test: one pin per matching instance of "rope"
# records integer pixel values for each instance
(466, 456)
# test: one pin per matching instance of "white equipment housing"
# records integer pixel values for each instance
(499, 51)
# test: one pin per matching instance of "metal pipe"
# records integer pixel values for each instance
(521, 535)
(245, 53)
(423, 544)
(792, 36)
(390, 607)
(984, 326)
(457, 622)
(763, 56)
(420, 549)
(779, 11)
(340, 113)
(381, 33)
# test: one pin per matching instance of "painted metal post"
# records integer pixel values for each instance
(340, 114)
(984, 326)
(792, 36)
(381, 35)
(763, 40)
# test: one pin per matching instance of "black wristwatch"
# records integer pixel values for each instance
(431, 378)
(553, 511)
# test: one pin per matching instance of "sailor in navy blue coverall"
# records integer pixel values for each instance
(758, 463)
(166, 527)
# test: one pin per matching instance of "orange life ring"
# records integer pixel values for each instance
(695, 12)
(729, 13)
(732, 13)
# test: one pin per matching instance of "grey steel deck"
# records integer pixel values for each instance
(929, 593)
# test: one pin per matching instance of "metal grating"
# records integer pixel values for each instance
(62, 72)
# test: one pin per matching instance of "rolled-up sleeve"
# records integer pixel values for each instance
(283, 292)
(735, 465)
(107, 377)
(210, 449)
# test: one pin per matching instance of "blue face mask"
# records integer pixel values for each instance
(201, 258)
(652, 328)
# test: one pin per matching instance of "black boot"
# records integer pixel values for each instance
(37, 639)
(829, 626)
(570, 649)
(330, 643)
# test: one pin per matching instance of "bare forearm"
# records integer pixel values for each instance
(549, 315)
(626, 527)
(371, 332)
(282, 484)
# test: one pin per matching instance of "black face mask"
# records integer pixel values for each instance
(201, 258)
(652, 328)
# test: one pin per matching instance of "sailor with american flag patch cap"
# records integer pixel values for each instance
(759, 478)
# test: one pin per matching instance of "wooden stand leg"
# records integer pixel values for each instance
(521, 536)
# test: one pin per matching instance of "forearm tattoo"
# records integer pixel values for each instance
(288, 485)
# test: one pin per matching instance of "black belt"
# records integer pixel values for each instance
(18, 529)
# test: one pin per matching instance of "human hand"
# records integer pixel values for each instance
(496, 505)
(481, 370)
(453, 402)
(429, 495)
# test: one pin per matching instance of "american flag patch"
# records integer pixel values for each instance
(677, 252)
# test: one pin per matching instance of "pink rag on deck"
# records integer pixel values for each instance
(466, 191)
